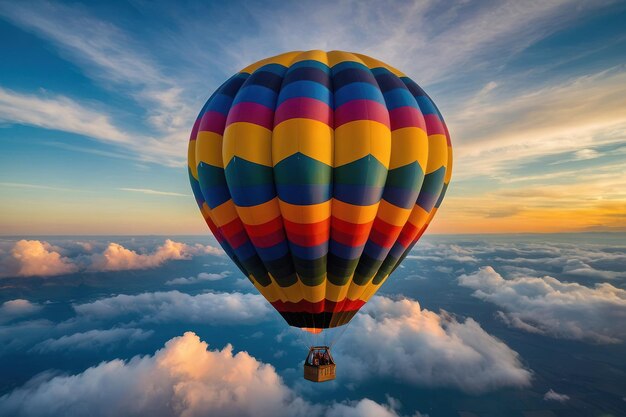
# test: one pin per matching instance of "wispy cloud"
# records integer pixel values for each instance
(154, 192)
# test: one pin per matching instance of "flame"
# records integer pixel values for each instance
(312, 330)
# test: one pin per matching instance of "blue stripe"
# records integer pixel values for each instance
(431, 189)
(245, 251)
(375, 251)
(252, 195)
(426, 105)
(309, 89)
(401, 197)
(308, 252)
(304, 194)
(358, 91)
(348, 64)
(277, 69)
(400, 97)
(359, 195)
(343, 251)
(257, 94)
(310, 63)
(220, 103)
(273, 252)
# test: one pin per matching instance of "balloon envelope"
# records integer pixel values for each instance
(317, 172)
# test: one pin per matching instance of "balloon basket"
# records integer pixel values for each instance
(319, 365)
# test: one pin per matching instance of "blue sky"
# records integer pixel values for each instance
(97, 101)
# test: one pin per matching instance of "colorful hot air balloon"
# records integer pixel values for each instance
(317, 172)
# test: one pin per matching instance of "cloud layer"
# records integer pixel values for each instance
(40, 258)
(211, 308)
(548, 306)
(423, 348)
(182, 379)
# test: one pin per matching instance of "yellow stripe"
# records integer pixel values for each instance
(371, 290)
(191, 158)
(313, 213)
(354, 140)
(309, 137)
(260, 214)
(418, 216)
(336, 57)
(314, 55)
(448, 175)
(209, 149)
(437, 153)
(393, 215)
(282, 59)
(374, 63)
(248, 141)
(408, 145)
(224, 213)
(337, 293)
(352, 213)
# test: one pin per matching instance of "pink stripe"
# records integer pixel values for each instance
(434, 125)
(303, 107)
(361, 110)
(251, 113)
(194, 130)
(212, 121)
(406, 117)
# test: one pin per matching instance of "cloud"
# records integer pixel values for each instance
(201, 277)
(59, 113)
(118, 258)
(183, 379)
(548, 306)
(154, 192)
(19, 307)
(93, 339)
(209, 308)
(35, 258)
(555, 396)
(40, 258)
(423, 348)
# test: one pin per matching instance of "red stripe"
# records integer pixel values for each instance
(306, 108)
(361, 110)
(194, 130)
(407, 234)
(252, 113)
(406, 117)
(310, 234)
(268, 240)
(324, 306)
(234, 233)
(350, 234)
(434, 125)
(212, 121)
(384, 234)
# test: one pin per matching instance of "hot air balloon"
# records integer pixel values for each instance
(317, 172)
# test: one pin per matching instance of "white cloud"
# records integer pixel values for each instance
(548, 306)
(17, 308)
(551, 395)
(40, 258)
(423, 348)
(202, 276)
(35, 258)
(117, 258)
(210, 308)
(154, 192)
(93, 339)
(182, 379)
(59, 113)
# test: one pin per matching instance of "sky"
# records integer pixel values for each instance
(97, 101)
